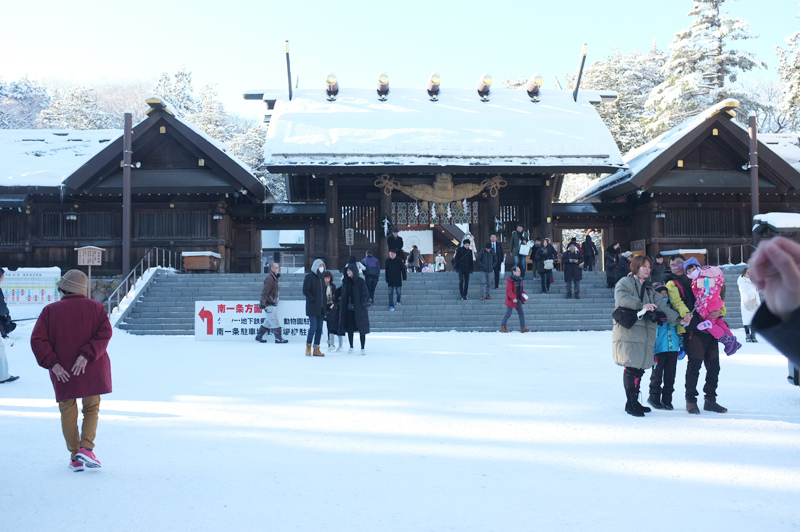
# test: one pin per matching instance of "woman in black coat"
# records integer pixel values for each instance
(589, 253)
(546, 252)
(353, 314)
(463, 263)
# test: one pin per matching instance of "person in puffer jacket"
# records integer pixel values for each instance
(665, 362)
(708, 286)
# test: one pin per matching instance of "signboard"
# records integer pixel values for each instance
(240, 320)
(31, 285)
(90, 256)
(349, 236)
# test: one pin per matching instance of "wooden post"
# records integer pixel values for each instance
(127, 218)
(334, 227)
(546, 208)
(754, 199)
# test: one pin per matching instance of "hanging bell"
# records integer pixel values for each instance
(440, 210)
(457, 205)
(424, 205)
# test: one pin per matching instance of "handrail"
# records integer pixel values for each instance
(163, 257)
(729, 253)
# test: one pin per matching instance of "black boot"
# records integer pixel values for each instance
(753, 338)
(666, 400)
(279, 336)
(577, 294)
(632, 406)
(569, 294)
(655, 402)
(260, 336)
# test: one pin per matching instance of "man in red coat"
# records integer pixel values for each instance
(74, 333)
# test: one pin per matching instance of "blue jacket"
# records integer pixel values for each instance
(667, 339)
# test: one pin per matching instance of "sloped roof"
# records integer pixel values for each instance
(45, 157)
(231, 172)
(459, 130)
(653, 160)
(785, 145)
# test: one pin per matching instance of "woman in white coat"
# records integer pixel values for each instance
(750, 301)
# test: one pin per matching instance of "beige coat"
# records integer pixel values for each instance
(634, 347)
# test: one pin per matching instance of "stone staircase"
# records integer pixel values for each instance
(430, 303)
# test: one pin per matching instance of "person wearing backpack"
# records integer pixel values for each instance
(372, 273)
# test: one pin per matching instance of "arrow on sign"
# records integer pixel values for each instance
(208, 317)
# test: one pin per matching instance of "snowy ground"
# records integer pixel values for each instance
(429, 431)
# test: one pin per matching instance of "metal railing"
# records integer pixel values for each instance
(742, 252)
(154, 256)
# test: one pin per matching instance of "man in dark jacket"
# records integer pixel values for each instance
(314, 292)
(70, 340)
(589, 254)
(463, 265)
(487, 260)
(659, 270)
(537, 245)
(395, 242)
(623, 265)
(395, 273)
(612, 257)
(372, 272)
(497, 247)
(573, 273)
(701, 348)
(270, 294)
(518, 240)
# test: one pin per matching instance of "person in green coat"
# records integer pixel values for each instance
(633, 348)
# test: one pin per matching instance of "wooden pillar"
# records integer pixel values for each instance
(255, 249)
(546, 208)
(333, 221)
(385, 210)
(484, 222)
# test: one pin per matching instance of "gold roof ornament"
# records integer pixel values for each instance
(442, 190)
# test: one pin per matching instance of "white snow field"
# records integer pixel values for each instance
(428, 432)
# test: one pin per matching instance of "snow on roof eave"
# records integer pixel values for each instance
(458, 125)
(640, 157)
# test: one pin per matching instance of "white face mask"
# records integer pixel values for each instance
(321, 269)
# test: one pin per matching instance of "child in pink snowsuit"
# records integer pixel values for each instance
(707, 283)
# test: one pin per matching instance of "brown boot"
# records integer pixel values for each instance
(317, 352)
(503, 328)
(524, 329)
(308, 350)
(692, 408)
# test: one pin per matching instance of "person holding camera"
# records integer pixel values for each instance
(270, 294)
(633, 347)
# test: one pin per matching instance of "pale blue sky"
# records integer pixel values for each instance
(239, 44)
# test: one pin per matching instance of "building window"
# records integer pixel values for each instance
(172, 224)
(361, 218)
(54, 225)
(9, 229)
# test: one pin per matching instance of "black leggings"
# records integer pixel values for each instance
(362, 337)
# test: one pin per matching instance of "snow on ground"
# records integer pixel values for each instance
(429, 431)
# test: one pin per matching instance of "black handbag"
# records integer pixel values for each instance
(626, 316)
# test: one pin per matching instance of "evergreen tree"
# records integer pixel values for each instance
(632, 76)
(178, 93)
(21, 102)
(789, 71)
(210, 115)
(701, 64)
(78, 109)
(249, 148)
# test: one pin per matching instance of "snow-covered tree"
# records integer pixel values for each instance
(21, 102)
(210, 115)
(178, 91)
(78, 109)
(701, 65)
(249, 148)
(789, 71)
(119, 96)
(633, 76)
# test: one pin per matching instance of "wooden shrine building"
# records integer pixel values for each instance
(427, 162)
(690, 187)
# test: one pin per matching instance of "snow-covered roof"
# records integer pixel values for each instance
(45, 157)
(785, 145)
(778, 220)
(639, 158)
(458, 130)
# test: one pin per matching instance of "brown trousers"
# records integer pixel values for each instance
(69, 423)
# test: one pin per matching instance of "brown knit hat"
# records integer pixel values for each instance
(73, 282)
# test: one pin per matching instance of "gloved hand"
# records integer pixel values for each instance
(262, 307)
